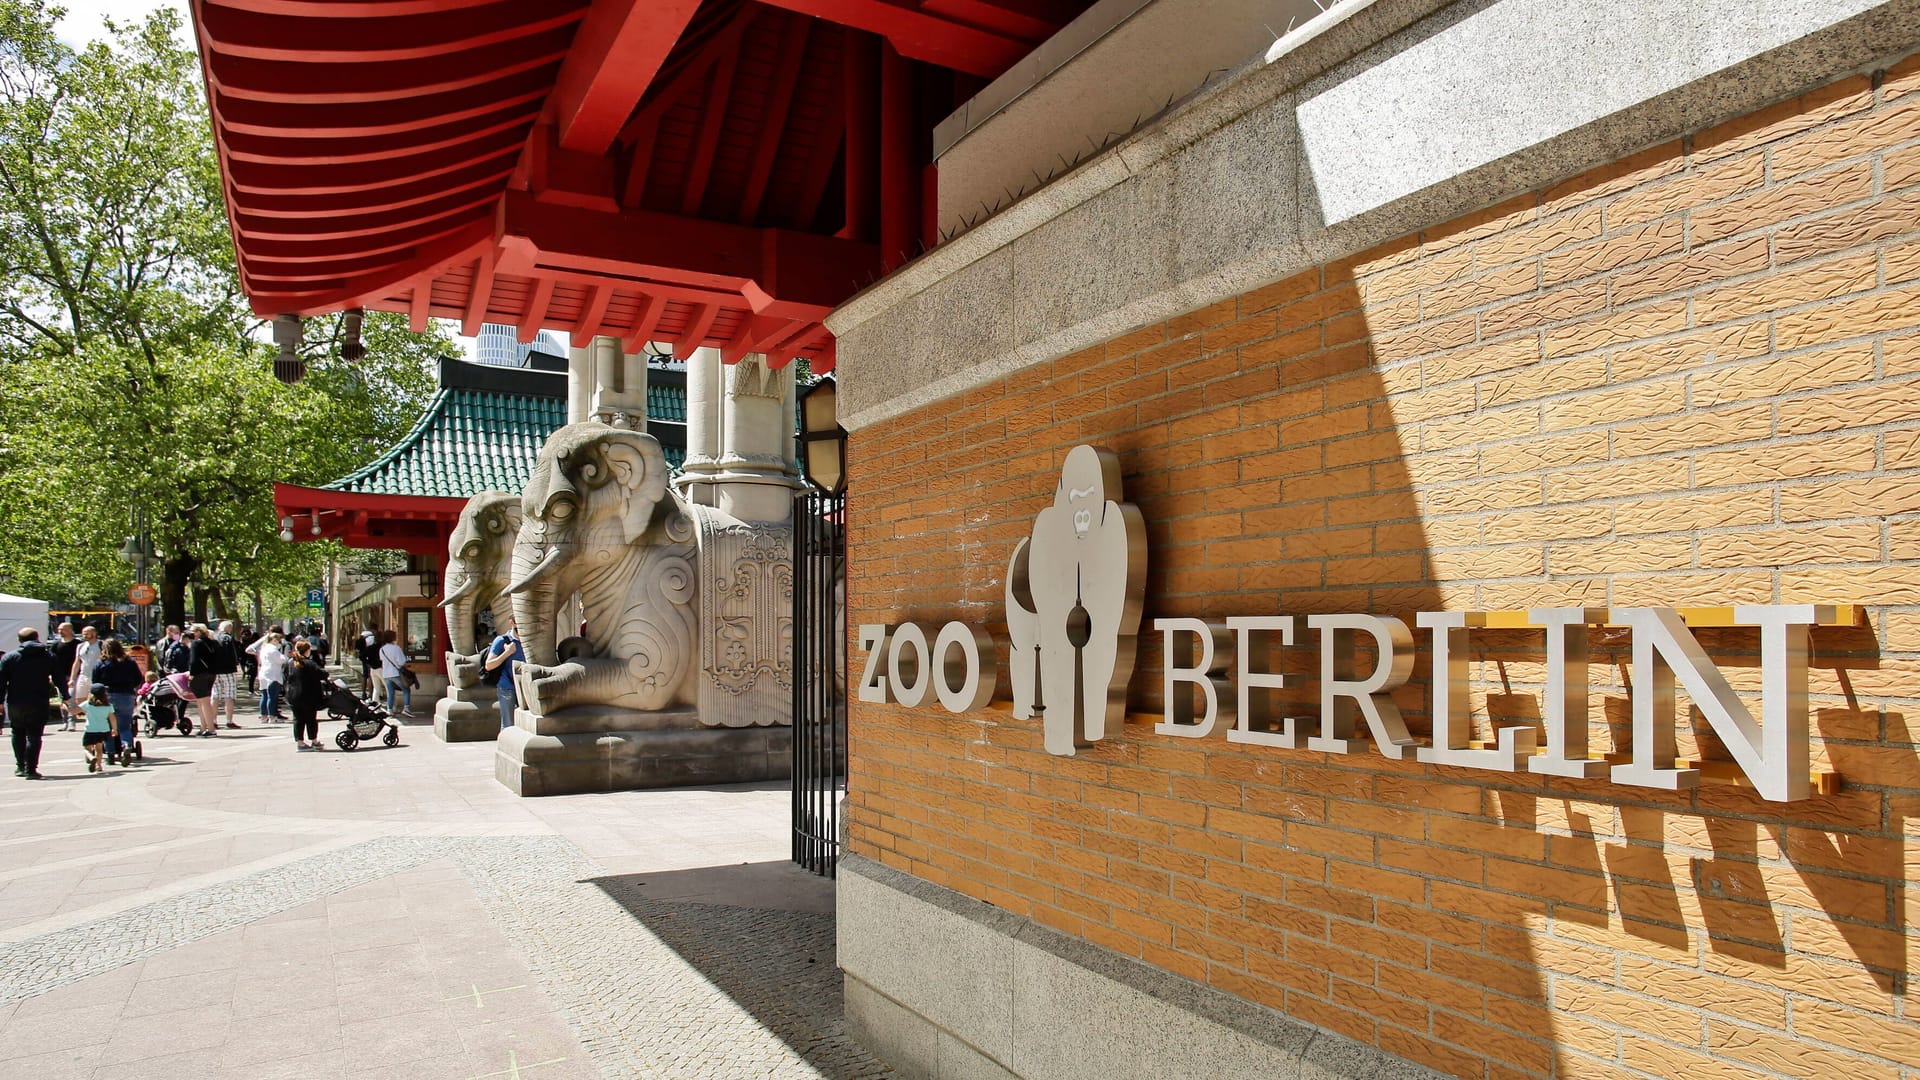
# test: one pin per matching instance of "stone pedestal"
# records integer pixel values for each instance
(595, 748)
(467, 715)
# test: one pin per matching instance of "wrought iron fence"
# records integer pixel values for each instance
(819, 677)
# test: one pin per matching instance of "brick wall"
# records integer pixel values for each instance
(1689, 378)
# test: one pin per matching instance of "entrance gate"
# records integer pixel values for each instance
(819, 677)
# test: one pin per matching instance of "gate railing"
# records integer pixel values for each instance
(819, 677)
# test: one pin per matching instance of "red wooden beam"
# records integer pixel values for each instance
(482, 292)
(919, 33)
(487, 175)
(784, 265)
(861, 72)
(275, 80)
(652, 306)
(773, 119)
(592, 314)
(327, 178)
(298, 149)
(367, 119)
(536, 313)
(758, 334)
(615, 56)
(899, 164)
(233, 31)
(719, 89)
(694, 334)
(1002, 19)
(640, 162)
(422, 296)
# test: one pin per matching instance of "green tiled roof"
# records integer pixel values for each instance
(468, 441)
(666, 402)
(480, 433)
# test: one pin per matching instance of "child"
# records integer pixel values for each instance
(99, 727)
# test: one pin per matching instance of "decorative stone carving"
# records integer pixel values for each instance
(479, 565)
(746, 622)
(599, 522)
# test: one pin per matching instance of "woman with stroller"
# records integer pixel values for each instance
(306, 693)
(121, 676)
(393, 669)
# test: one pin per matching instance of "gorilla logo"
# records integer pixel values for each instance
(1074, 593)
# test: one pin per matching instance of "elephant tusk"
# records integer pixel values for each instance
(466, 589)
(548, 563)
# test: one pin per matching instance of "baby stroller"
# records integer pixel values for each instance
(364, 719)
(165, 704)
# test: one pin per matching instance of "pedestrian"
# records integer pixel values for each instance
(80, 675)
(322, 648)
(175, 653)
(369, 653)
(271, 660)
(120, 677)
(249, 637)
(200, 675)
(393, 669)
(502, 654)
(226, 670)
(28, 685)
(306, 692)
(99, 729)
(63, 647)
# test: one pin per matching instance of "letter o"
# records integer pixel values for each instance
(910, 694)
(976, 667)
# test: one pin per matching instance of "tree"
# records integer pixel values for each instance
(131, 372)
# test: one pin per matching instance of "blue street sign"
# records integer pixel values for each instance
(316, 597)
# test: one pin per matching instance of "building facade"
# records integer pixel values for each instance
(1472, 308)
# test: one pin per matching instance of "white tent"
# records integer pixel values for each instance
(16, 612)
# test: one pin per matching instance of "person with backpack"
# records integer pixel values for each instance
(119, 676)
(200, 675)
(226, 671)
(497, 670)
(28, 683)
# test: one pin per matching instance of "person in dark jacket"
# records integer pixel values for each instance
(175, 653)
(203, 660)
(306, 693)
(64, 647)
(27, 683)
(121, 676)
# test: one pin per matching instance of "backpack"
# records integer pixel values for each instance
(226, 655)
(491, 676)
(177, 657)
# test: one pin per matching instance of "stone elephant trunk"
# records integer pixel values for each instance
(535, 593)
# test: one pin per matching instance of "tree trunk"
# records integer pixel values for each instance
(174, 574)
(200, 603)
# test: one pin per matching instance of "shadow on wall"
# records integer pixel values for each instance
(1551, 403)
(762, 934)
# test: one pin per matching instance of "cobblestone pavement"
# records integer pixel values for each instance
(234, 909)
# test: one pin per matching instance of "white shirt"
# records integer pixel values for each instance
(392, 659)
(273, 662)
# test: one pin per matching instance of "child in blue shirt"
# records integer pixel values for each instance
(99, 727)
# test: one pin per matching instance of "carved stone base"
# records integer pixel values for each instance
(599, 749)
(467, 715)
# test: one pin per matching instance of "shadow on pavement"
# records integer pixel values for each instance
(763, 935)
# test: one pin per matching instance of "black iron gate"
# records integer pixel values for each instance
(819, 677)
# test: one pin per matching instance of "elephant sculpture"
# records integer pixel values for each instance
(479, 565)
(598, 520)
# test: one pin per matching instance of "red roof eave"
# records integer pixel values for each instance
(418, 524)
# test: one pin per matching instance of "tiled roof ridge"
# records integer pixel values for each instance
(428, 416)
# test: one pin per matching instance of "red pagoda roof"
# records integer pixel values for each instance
(701, 172)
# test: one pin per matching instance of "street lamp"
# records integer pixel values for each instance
(138, 550)
(823, 442)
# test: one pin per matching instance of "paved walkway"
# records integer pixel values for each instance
(233, 908)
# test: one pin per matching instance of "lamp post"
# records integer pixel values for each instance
(138, 550)
(819, 631)
(823, 442)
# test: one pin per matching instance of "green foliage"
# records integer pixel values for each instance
(131, 372)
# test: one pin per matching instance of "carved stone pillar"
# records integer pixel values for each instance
(619, 385)
(704, 397)
(757, 477)
(579, 383)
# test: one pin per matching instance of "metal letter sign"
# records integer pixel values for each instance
(1074, 595)
(1074, 598)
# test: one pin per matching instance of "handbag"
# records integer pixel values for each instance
(413, 681)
